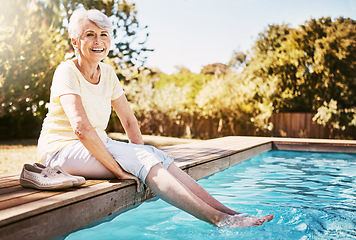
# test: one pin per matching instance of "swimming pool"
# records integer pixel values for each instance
(312, 195)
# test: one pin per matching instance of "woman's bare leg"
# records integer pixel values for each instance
(198, 190)
(167, 187)
(170, 189)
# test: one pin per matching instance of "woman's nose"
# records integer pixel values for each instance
(97, 40)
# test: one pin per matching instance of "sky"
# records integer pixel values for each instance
(195, 33)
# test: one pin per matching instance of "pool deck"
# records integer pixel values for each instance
(34, 214)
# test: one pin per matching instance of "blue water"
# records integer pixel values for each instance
(312, 196)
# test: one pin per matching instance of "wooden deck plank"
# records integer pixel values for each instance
(8, 175)
(9, 178)
(6, 190)
(9, 183)
(219, 146)
(19, 195)
(19, 192)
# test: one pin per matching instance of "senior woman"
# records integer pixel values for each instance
(73, 133)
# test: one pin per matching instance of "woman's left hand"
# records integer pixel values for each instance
(127, 176)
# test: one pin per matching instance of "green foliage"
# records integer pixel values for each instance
(129, 38)
(238, 61)
(308, 69)
(34, 40)
(177, 104)
(192, 82)
(231, 99)
(301, 69)
(339, 119)
(157, 109)
(324, 62)
(29, 51)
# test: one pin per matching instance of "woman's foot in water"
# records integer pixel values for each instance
(244, 221)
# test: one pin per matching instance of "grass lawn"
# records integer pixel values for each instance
(14, 154)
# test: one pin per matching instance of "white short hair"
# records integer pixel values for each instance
(94, 15)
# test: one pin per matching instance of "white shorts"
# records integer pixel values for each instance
(135, 159)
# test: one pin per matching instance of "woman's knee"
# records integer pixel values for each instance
(154, 171)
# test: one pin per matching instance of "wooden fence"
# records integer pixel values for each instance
(299, 125)
(302, 125)
(294, 125)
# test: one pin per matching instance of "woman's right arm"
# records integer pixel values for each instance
(73, 108)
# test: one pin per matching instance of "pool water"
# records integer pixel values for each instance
(312, 196)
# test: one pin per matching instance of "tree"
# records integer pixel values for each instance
(258, 79)
(184, 79)
(239, 60)
(129, 37)
(218, 69)
(158, 109)
(322, 53)
(307, 69)
(331, 68)
(31, 50)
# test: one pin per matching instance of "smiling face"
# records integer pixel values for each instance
(94, 43)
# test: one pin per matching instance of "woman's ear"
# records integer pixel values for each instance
(74, 43)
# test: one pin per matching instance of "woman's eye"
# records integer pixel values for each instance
(104, 35)
(90, 35)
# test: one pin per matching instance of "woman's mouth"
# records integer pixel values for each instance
(97, 50)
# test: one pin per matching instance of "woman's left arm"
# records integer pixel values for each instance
(128, 119)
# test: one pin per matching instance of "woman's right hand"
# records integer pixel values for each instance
(128, 176)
